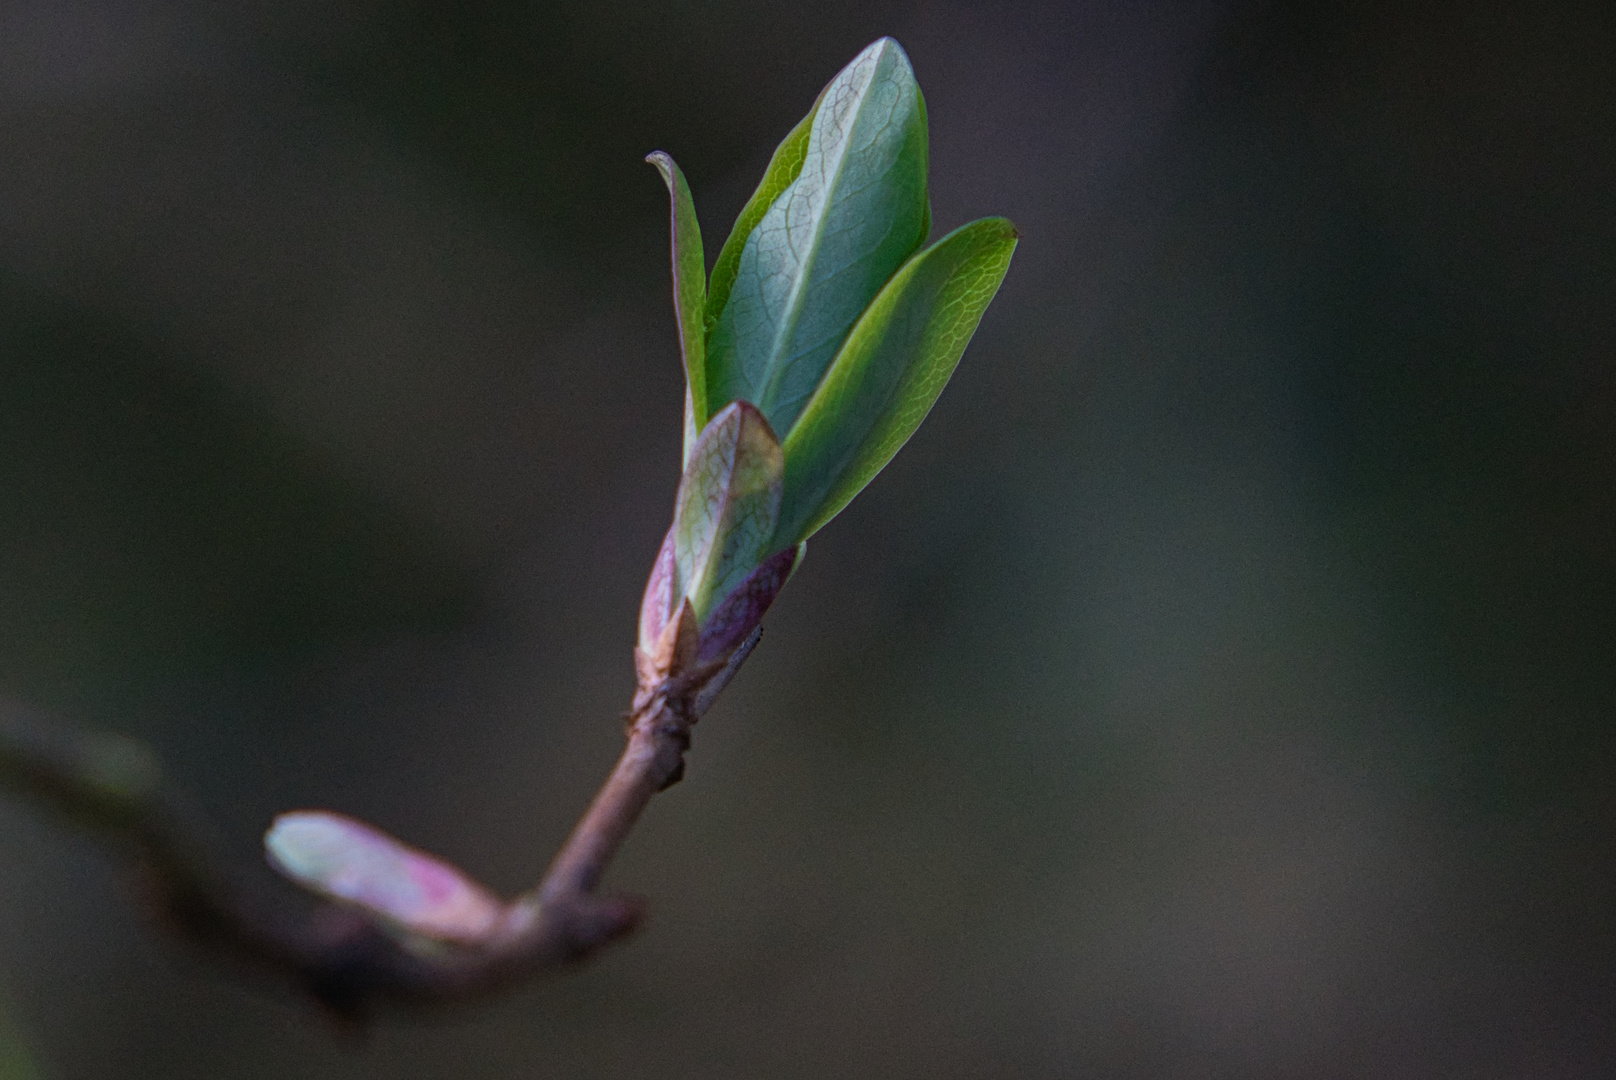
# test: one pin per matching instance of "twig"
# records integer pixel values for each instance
(346, 956)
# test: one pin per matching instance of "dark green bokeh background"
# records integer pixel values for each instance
(1220, 684)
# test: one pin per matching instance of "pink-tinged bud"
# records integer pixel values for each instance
(348, 860)
(674, 653)
(662, 597)
(739, 613)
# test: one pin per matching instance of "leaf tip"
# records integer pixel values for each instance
(884, 44)
(664, 164)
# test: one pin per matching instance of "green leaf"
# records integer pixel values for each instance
(887, 377)
(827, 243)
(728, 504)
(346, 859)
(783, 170)
(689, 294)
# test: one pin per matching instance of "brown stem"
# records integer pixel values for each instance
(653, 757)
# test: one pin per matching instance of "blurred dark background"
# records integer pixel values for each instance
(1220, 684)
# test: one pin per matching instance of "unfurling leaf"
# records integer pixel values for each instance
(689, 295)
(855, 210)
(728, 502)
(349, 860)
(784, 167)
(887, 377)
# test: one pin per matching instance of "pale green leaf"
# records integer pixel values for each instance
(689, 293)
(855, 211)
(783, 170)
(887, 377)
(729, 501)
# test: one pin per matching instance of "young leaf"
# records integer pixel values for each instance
(828, 242)
(886, 378)
(689, 294)
(729, 501)
(783, 170)
(346, 859)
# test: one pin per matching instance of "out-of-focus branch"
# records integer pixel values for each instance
(351, 955)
